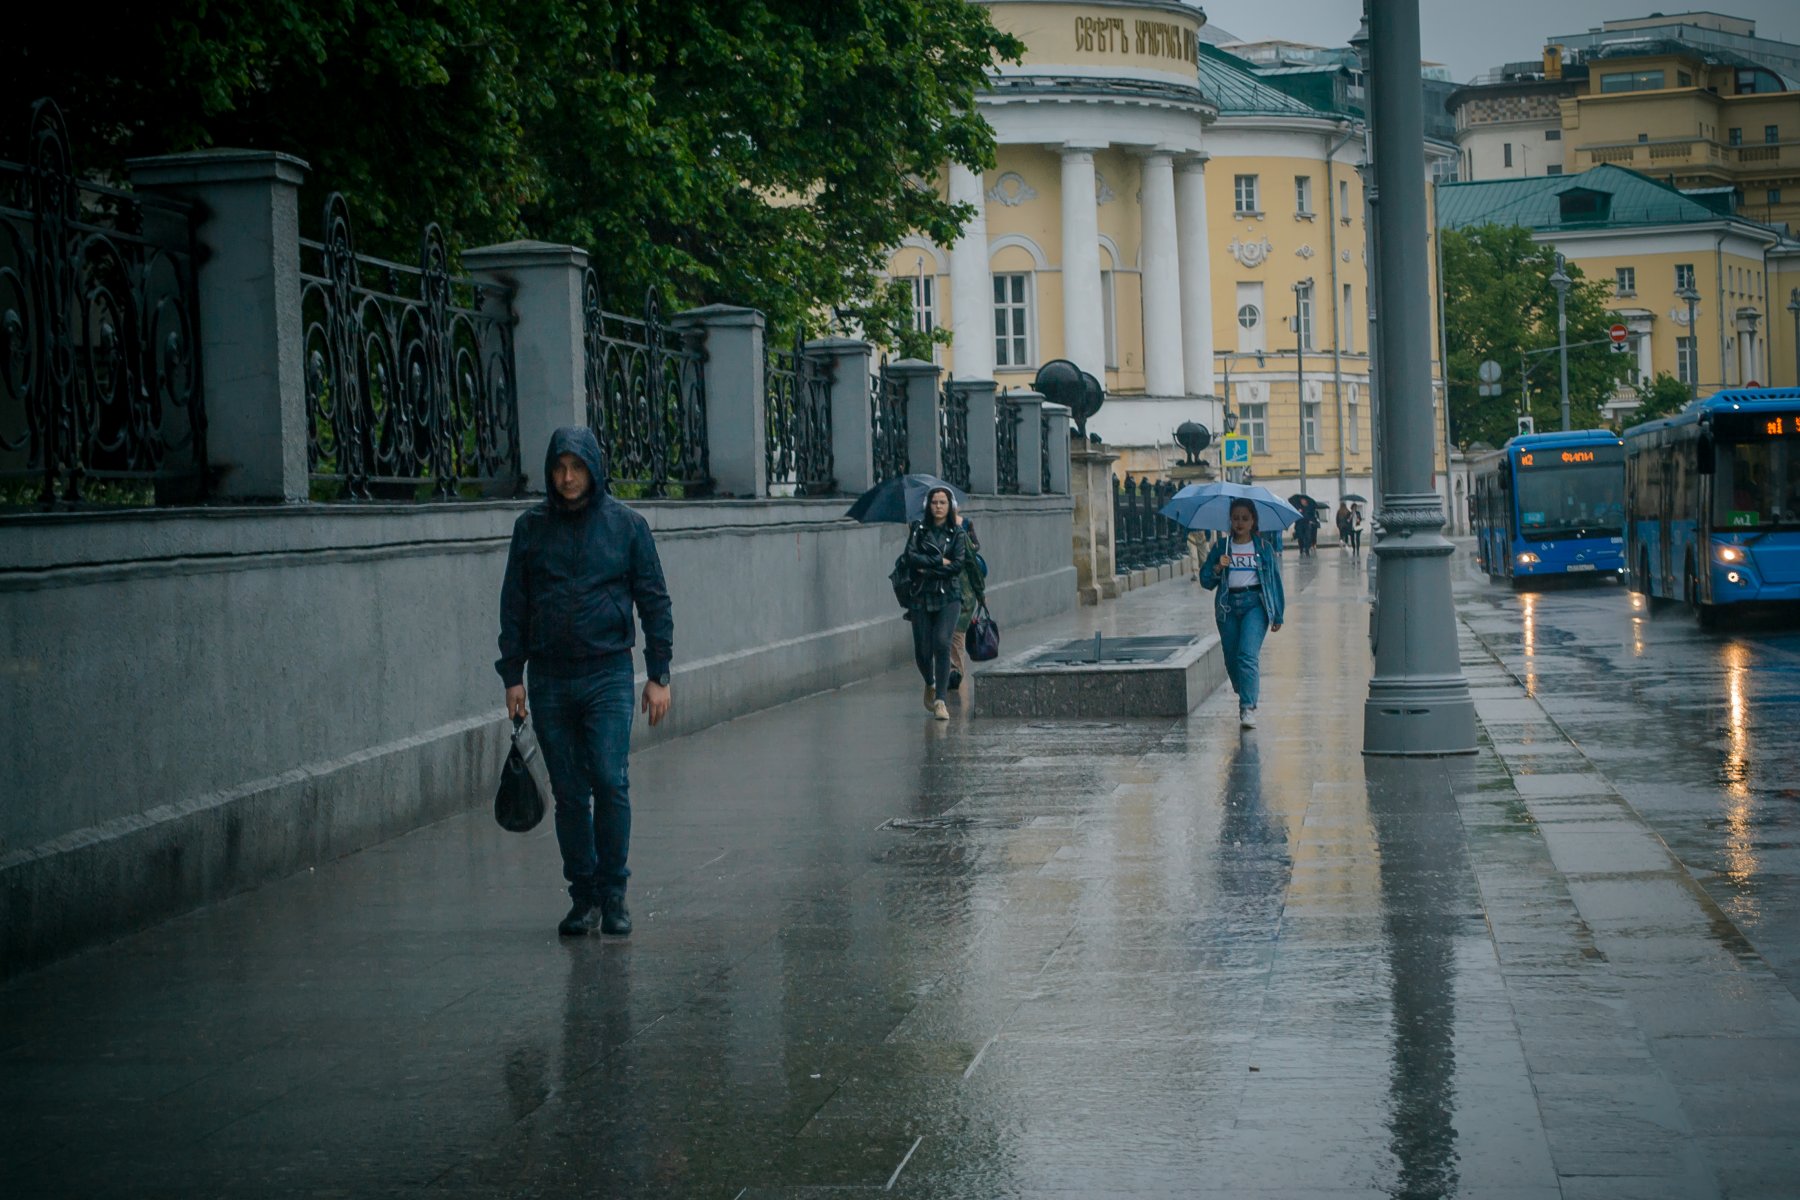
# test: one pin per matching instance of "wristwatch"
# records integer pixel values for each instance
(660, 680)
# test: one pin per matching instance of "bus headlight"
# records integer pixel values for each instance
(1730, 554)
(1527, 558)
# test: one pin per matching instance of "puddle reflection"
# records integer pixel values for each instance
(1529, 600)
(1740, 846)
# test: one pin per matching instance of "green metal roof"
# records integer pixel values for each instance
(1537, 203)
(1230, 83)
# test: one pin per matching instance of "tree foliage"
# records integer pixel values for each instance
(1659, 397)
(759, 152)
(1498, 304)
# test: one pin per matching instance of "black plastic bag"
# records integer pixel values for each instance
(524, 790)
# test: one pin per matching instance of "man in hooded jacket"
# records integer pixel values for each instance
(578, 563)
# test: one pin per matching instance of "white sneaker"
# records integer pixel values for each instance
(941, 711)
(1247, 718)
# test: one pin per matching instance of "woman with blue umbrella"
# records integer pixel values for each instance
(1244, 569)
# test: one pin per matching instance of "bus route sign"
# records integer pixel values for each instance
(1234, 450)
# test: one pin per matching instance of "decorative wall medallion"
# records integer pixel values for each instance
(1304, 252)
(1103, 193)
(1011, 190)
(1344, 254)
(1679, 314)
(1250, 254)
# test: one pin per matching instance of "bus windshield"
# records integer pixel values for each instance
(1756, 485)
(1571, 501)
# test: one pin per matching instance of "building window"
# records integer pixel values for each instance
(1734, 137)
(1303, 316)
(1684, 275)
(1771, 134)
(1309, 423)
(1632, 81)
(1553, 169)
(1344, 201)
(1642, 138)
(924, 303)
(1625, 281)
(1506, 154)
(1684, 361)
(1354, 431)
(1109, 317)
(1683, 79)
(1303, 195)
(1349, 323)
(1245, 194)
(1253, 423)
(1012, 320)
(1774, 195)
(1553, 135)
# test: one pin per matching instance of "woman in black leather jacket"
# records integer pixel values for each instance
(935, 549)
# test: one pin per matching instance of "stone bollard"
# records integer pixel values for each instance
(1030, 442)
(549, 340)
(984, 438)
(924, 450)
(852, 424)
(1056, 435)
(1091, 475)
(735, 396)
(250, 332)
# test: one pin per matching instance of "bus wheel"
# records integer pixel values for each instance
(1690, 591)
(1641, 584)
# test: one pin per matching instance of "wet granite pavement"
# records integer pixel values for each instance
(881, 955)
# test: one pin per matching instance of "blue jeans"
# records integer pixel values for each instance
(584, 727)
(1243, 624)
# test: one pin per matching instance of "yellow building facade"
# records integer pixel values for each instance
(1176, 228)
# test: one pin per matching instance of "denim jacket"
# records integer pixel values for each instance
(1268, 574)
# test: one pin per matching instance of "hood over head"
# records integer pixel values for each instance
(580, 441)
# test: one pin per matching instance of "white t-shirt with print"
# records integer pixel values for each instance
(1240, 558)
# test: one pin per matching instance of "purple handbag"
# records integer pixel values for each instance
(984, 636)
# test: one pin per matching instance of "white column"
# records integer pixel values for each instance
(1196, 276)
(1084, 327)
(971, 284)
(1163, 301)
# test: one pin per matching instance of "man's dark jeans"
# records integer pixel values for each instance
(584, 726)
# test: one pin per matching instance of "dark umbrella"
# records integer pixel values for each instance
(900, 499)
(1302, 501)
(1353, 498)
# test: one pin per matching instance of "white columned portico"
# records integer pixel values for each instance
(971, 284)
(1163, 302)
(1084, 325)
(1196, 275)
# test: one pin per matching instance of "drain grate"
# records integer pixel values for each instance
(948, 822)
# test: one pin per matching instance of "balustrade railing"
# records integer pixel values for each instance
(1006, 443)
(887, 421)
(99, 349)
(797, 421)
(646, 399)
(1044, 450)
(953, 434)
(409, 371)
(1142, 536)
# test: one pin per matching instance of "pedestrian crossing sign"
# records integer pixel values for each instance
(1235, 450)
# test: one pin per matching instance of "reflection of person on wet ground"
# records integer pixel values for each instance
(1244, 570)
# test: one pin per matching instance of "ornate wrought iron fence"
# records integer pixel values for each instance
(1043, 450)
(646, 398)
(1006, 443)
(797, 418)
(887, 420)
(953, 434)
(1142, 536)
(99, 349)
(409, 370)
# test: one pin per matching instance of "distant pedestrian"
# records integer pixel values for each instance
(974, 595)
(578, 563)
(1343, 525)
(1244, 568)
(1356, 530)
(936, 549)
(1306, 530)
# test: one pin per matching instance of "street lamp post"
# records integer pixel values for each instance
(1687, 294)
(1793, 306)
(1418, 701)
(1301, 292)
(1560, 281)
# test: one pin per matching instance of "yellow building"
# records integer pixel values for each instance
(1164, 219)
(1653, 244)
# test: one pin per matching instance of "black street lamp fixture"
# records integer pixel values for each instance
(1793, 306)
(1559, 282)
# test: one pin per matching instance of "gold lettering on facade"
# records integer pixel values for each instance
(1102, 34)
(1161, 39)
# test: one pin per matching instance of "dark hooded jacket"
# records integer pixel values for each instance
(572, 576)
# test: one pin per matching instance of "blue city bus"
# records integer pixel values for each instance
(1713, 500)
(1552, 504)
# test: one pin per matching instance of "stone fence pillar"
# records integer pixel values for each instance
(1090, 468)
(549, 340)
(1031, 442)
(852, 423)
(924, 450)
(735, 396)
(1058, 432)
(248, 318)
(984, 437)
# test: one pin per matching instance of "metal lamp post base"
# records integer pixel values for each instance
(1414, 706)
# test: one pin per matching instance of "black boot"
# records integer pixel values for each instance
(615, 917)
(582, 919)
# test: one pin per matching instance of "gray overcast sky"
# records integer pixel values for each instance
(1469, 36)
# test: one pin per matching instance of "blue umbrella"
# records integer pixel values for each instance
(901, 499)
(1208, 506)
